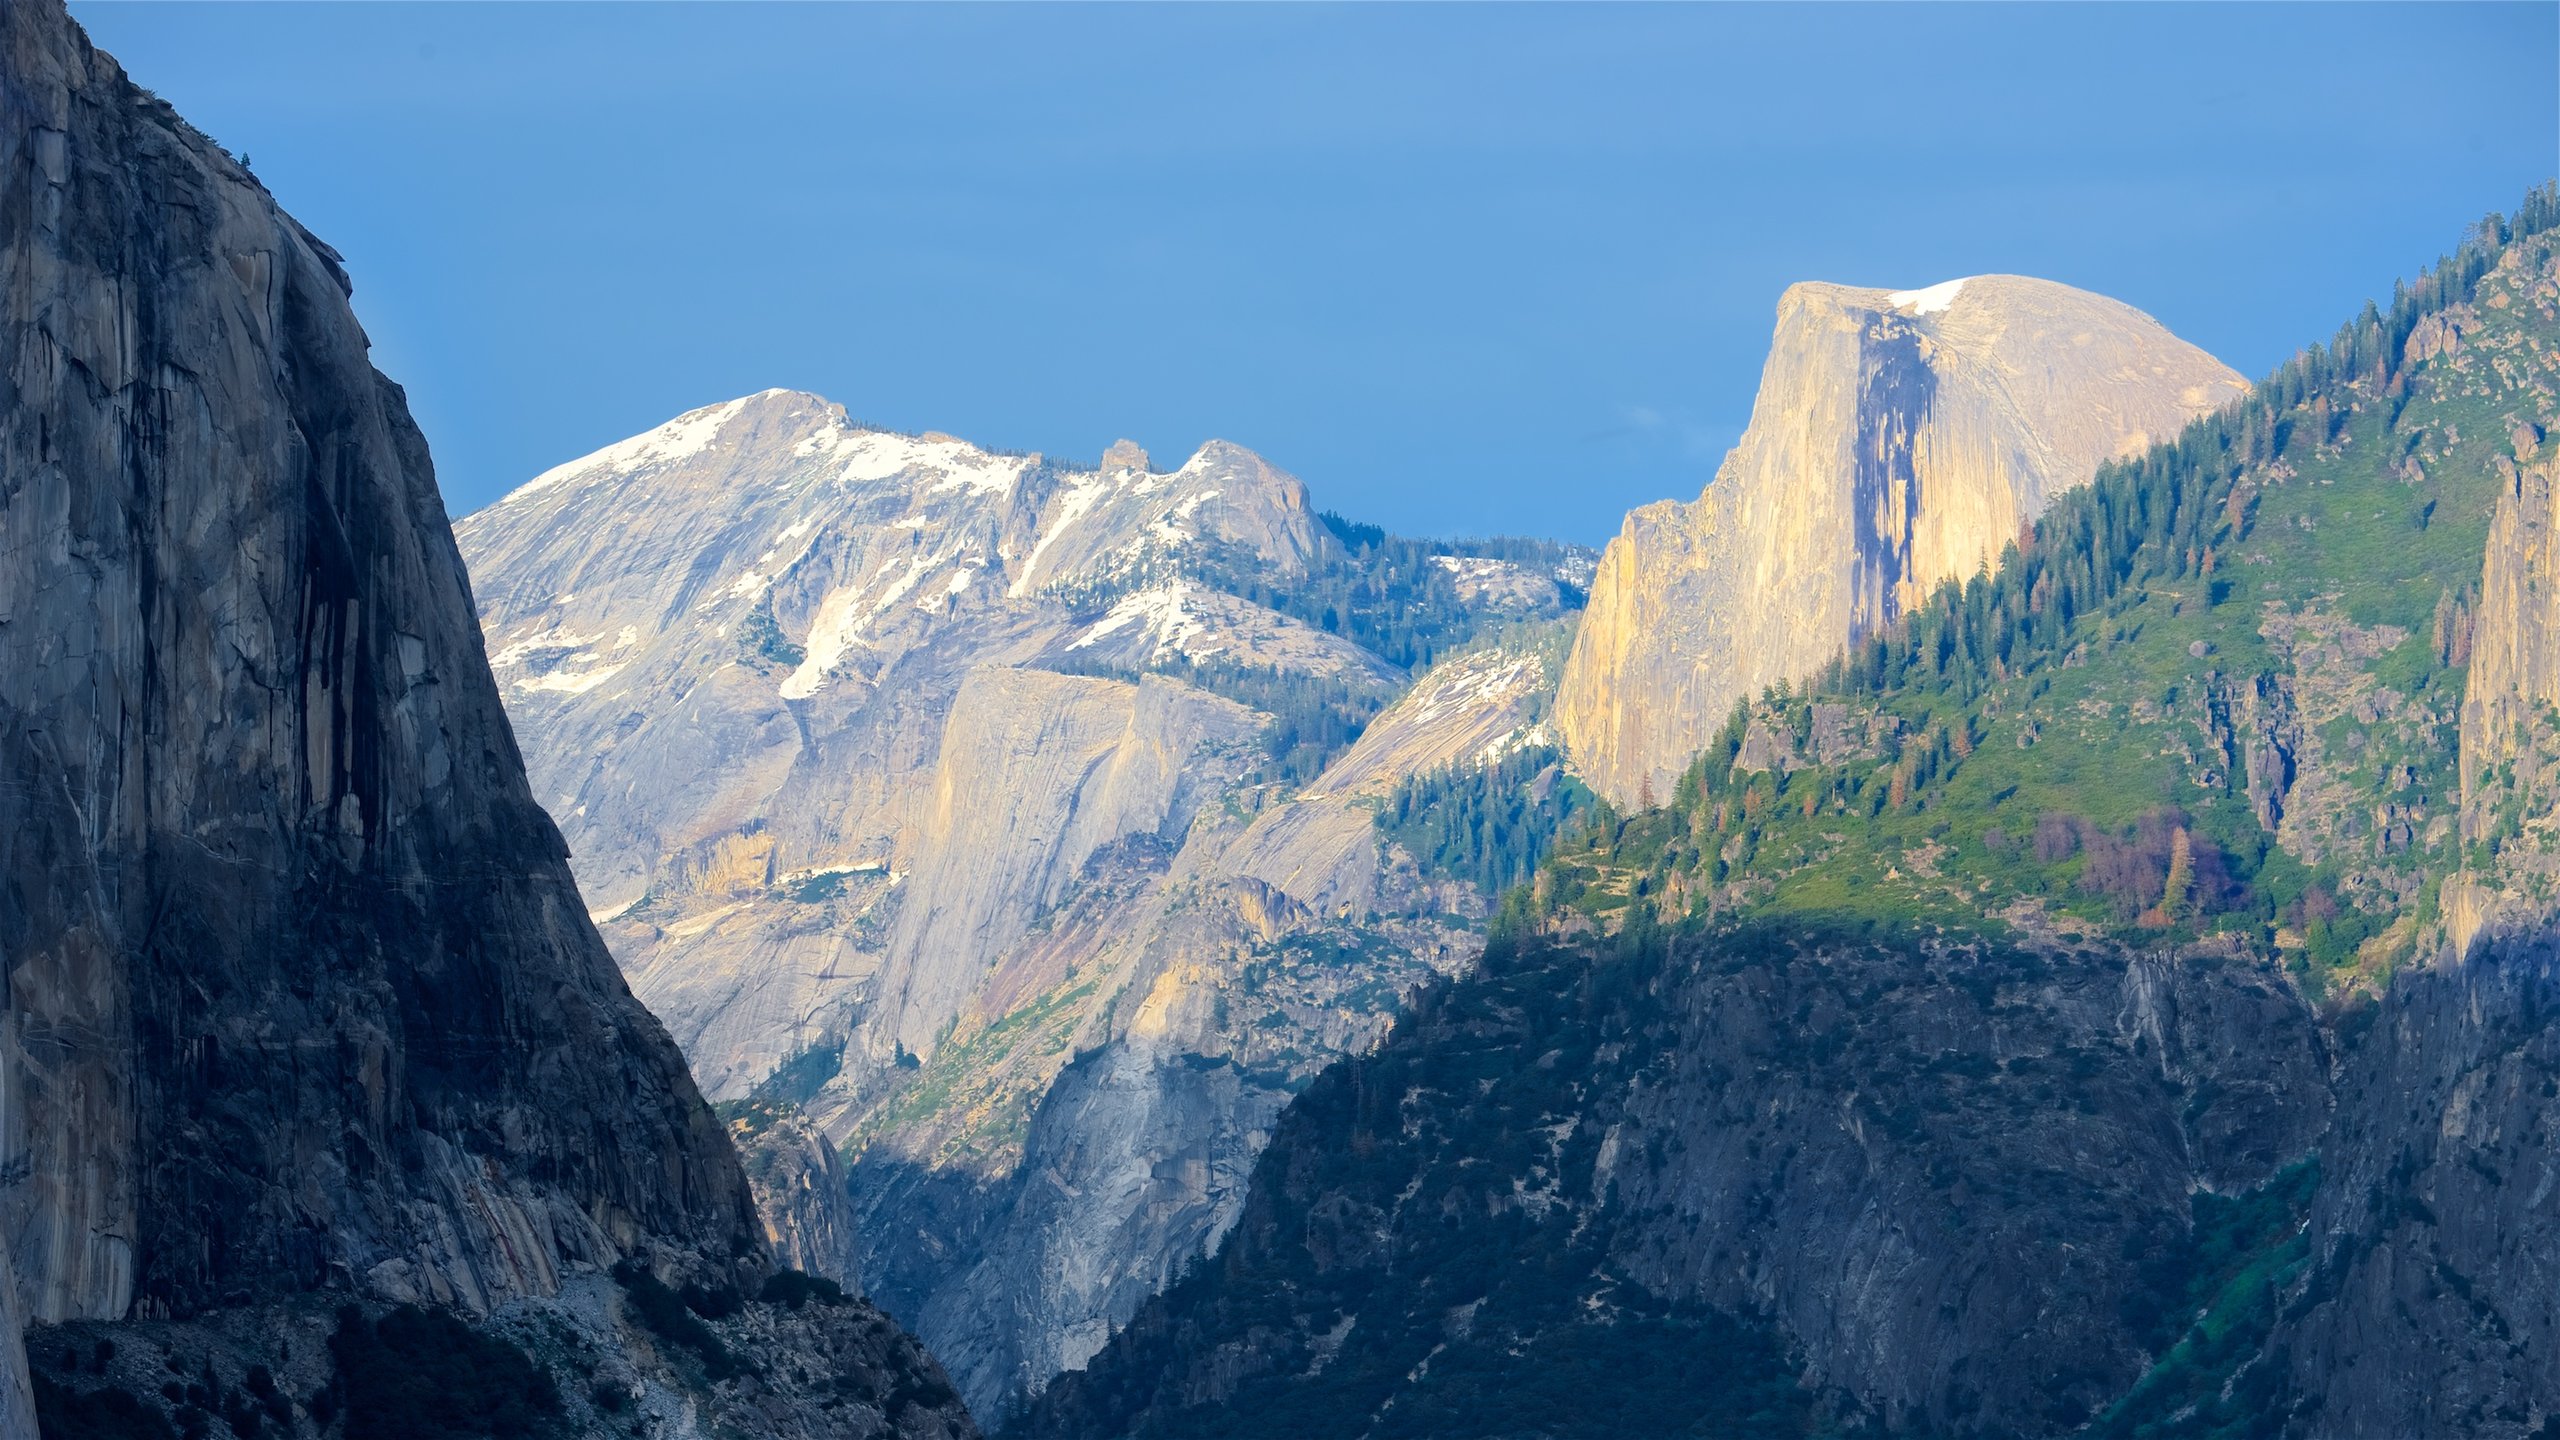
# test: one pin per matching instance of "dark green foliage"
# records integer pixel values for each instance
(1487, 825)
(792, 1289)
(819, 888)
(676, 1317)
(1353, 534)
(63, 1413)
(1385, 592)
(797, 1080)
(760, 638)
(1313, 717)
(426, 1375)
(2209, 1305)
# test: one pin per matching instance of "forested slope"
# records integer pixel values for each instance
(2119, 996)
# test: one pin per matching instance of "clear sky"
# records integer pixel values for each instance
(1463, 270)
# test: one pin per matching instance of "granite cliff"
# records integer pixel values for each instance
(1004, 816)
(303, 1009)
(2120, 998)
(1899, 439)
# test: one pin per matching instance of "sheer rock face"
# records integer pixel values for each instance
(2433, 1304)
(2437, 1279)
(1763, 1123)
(300, 991)
(2510, 726)
(1035, 949)
(1898, 439)
(799, 1184)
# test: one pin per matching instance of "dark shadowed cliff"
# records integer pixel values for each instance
(301, 996)
(2117, 998)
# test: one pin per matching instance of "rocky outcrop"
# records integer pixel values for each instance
(2433, 1302)
(893, 770)
(301, 995)
(799, 1184)
(2511, 716)
(1824, 1139)
(1037, 773)
(1898, 440)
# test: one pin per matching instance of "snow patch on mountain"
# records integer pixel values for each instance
(1071, 506)
(568, 682)
(1927, 301)
(686, 435)
(1160, 614)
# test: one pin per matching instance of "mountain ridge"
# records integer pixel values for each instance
(2157, 828)
(772, 718)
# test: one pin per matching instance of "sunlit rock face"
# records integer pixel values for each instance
(302, 1004)
(890, 774)
(1899, 438)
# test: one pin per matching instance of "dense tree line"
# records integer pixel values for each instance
(2171, 514)
(1489, 825)
(1313, 717)
(1385, 592)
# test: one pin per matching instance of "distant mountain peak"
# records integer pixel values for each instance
(1899, 437)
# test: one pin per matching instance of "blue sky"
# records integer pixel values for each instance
(1463, 270)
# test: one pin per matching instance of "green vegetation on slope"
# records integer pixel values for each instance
(2224, 1285)
(2218, 690)
(2209, 706)
(1313, 717)
(1488, 825)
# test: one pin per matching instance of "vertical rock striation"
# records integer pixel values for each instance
(1898, 439)
(2510, 726)
(301, 994)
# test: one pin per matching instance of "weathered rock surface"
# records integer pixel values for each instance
(2433, 1306)
(2511, 717)
(301, 997)
(1898, 439)
(1827, 1135)
(2435, 1298)
(1037, 950)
